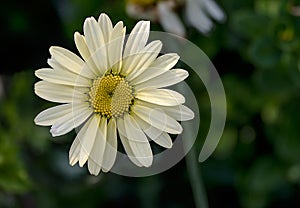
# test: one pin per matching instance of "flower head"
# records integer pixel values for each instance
(198, 13)
(114, 89)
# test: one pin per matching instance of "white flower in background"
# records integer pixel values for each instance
(112, 90)
(198, 13)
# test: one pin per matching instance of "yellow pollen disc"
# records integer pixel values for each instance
(111, 96)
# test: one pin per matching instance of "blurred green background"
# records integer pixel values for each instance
(256, 164)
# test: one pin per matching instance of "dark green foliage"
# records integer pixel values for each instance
(257, 163)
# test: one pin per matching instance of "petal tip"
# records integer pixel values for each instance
(52, 49)
(148, 162)
(169, 146)
(36, 120)
(73, 161)
(54, 131)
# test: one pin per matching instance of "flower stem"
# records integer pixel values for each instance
(193, 167)
(196, 180)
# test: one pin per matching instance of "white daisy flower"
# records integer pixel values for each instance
(109, 92)
(198, 13)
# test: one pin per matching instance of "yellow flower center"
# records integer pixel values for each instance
(111, 96)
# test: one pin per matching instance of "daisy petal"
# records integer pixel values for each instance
(82, 46)
(50, 115)
(96, 45)
(157, 135)
(93, 35)
(150, 130)
(74, 152)
(179, 113)
(93, 167)
(129, 151)
(158, 119)
(164, 140)
(169, 19)
(67, 59)
(99, 59)
(86, 136)
(87, 73)
(110, 152)
(167, 79)
(125, 142)
(83, 49)
(72, 120)
(133, 130)
(138, 63)
(115, 50)
(159, 66)
(138, 141)
(62, 77)
(105, 25)
(197, 17)
(137, 38)
(58, 93)
(96, 157)
(164, 97)
(214, 10)
(166, 61)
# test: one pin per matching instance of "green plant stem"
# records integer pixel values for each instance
(196, 180)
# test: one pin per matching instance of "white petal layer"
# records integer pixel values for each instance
(80, 112)
(82, 46)
(96, 45)
(105, 25)
(87, 137)
(164, 97)
(74, 152)
(115, 47)
(137, 38)
(164, 140)
(89, 69)
(99, 59)
(93, 35)
(166, 79)
(110, 152)
(159, 66)
(51, 115)
(62, 77)
(96, 158)
(86, 134)
(125, 142)
(67, 59)
(59, 93)
(179, 113)
(138, 141)
(157, 135)
(135, 64)
(157, 118)
(87, 73)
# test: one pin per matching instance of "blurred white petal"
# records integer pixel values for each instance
(197, 17)
(169, 19)
(214, 10)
